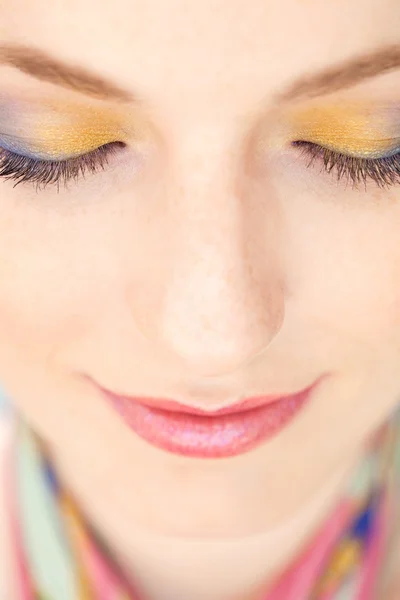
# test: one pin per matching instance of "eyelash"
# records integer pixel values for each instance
(24, 169)
(384, 171)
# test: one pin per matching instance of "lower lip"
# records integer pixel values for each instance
(207, 436)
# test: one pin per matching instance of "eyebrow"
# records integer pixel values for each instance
(44, 67)
(346, 74)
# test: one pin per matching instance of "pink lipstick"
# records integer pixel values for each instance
(232, 430)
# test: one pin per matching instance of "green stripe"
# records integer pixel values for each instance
(49, 558)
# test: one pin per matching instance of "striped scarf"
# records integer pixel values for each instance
(59, 557)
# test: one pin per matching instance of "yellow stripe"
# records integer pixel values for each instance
(75, 537)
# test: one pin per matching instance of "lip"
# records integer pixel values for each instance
(194, 432)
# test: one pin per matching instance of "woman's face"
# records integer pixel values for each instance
(210, 258)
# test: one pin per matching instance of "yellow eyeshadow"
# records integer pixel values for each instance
(352, 130)
(59, 131)
(66, 135)
(60, 142)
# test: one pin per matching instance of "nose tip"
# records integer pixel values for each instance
(216, 363)
(217, 332)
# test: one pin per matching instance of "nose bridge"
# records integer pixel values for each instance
(213, 316)
(220, 304)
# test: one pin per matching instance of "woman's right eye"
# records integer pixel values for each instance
(25, 169)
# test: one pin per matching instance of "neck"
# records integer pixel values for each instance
(206, 569)
(351, 547)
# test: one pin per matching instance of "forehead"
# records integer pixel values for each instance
(202, 53)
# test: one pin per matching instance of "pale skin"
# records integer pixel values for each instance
(208, 262)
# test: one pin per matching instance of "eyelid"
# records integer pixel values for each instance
(55, 128)
(362, 147)
(358, 128)
(61, 131)
(67, 149)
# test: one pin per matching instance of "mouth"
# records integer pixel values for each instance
(189, 431)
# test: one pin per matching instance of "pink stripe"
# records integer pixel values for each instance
(23, 583)
(297, 582)
(99, 573)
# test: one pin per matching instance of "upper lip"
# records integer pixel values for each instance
(179, 407)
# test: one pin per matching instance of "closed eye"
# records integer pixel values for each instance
(25, 169)
(383, 171)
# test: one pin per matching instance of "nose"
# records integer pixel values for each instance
(218, 300)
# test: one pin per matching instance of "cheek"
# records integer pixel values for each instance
(345, 267)
(50, 277)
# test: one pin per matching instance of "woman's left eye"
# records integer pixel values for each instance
(384, 171)
(25, 169)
